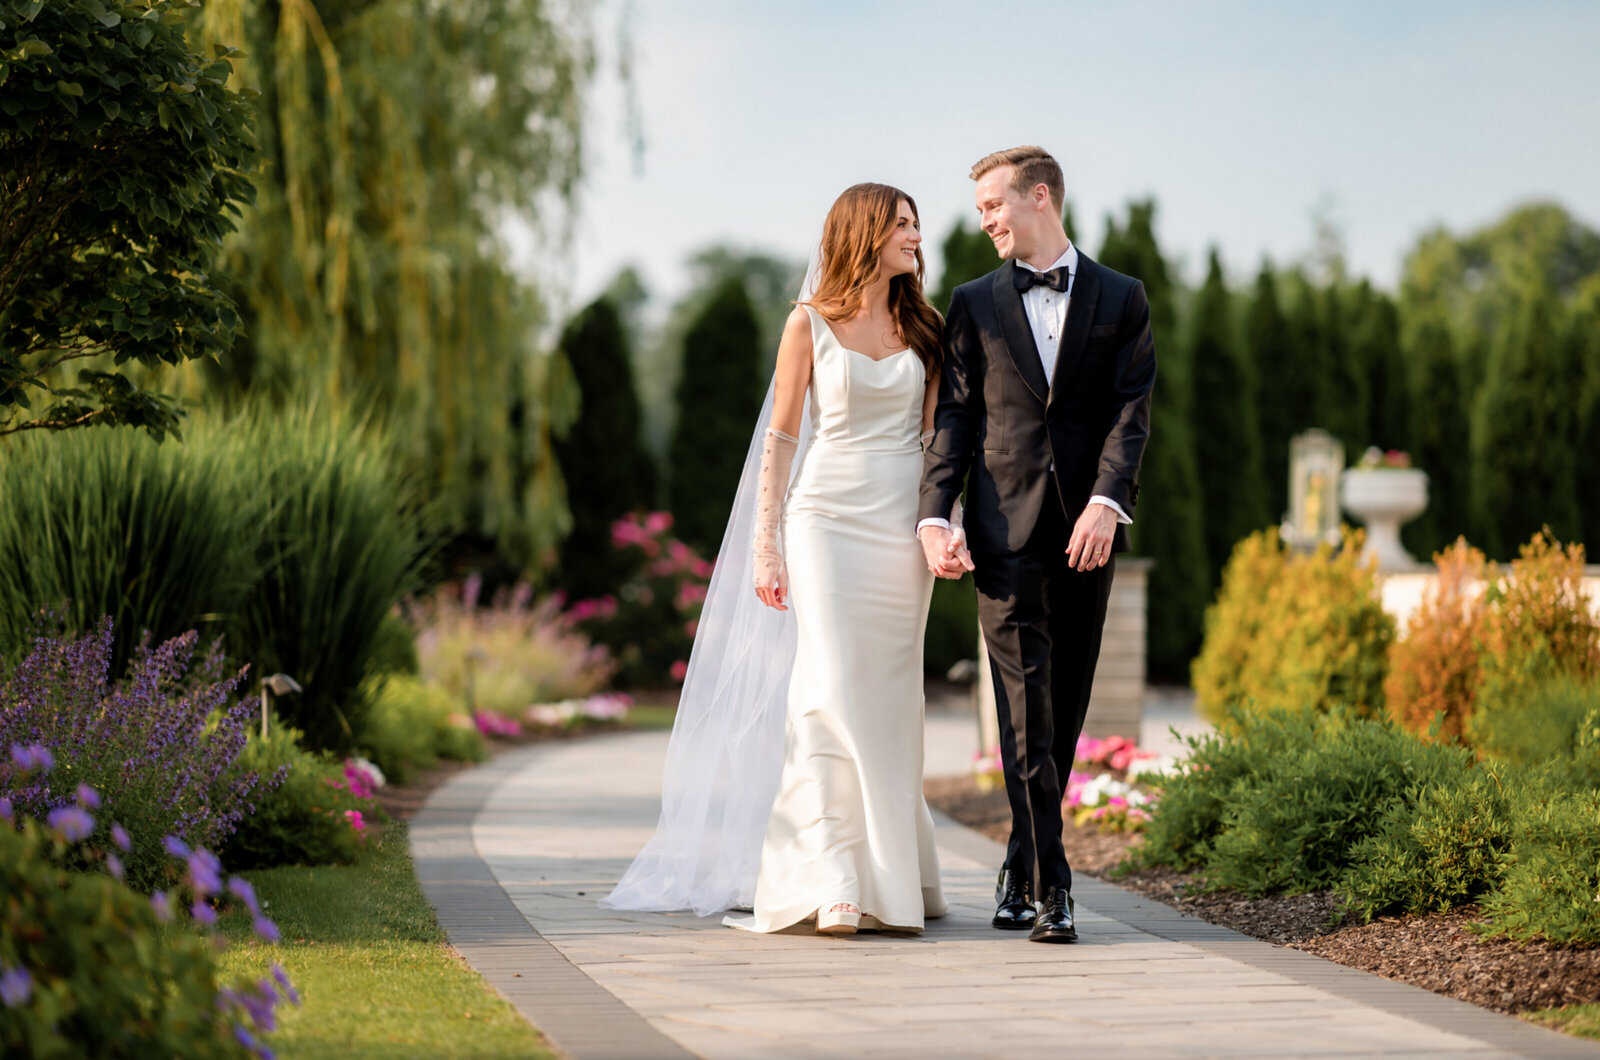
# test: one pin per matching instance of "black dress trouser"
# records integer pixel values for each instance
(1042, 622)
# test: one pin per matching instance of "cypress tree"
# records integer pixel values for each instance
(1440, 439)
(603, 462)
(1376, 350)
(1167, 524)
(1226, 433)
(1523, 466)
(1310, 373)
(719, 397)
(1271, 355)
(1342, 383)
(968, 254)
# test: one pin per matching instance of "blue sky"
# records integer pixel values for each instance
(1239, 117)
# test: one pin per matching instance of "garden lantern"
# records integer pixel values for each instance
(278, 685)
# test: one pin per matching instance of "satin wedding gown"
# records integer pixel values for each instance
(849, 823)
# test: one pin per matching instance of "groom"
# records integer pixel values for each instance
(1044, 400)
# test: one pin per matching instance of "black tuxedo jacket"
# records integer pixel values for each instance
(1001, 420)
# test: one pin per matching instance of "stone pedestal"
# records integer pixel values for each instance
(1116, 703)
(1385, 499)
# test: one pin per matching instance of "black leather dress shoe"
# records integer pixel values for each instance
(1013, 903)
(1054, 923)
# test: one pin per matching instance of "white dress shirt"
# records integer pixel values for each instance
(1047, 317)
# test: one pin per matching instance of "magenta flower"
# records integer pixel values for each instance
(658, 522)
(679, 670)
(356, 820)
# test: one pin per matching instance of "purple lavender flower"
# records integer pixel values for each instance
(203, 912)
(119, 836)
(175, 846)
(206, 872)
(114, 866)
(284, 985)
(73, 822)
(240, 888)
(31, 757)
(265, 929)
(162, 906)
(5, 809)
(16, 986)
(88, 798)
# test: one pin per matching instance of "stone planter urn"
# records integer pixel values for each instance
(1384, 499)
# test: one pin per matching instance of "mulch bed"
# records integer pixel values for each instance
(1438, 952)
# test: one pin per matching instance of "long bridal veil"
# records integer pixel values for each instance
(726, 752)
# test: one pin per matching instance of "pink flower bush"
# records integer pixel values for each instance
(652, 619)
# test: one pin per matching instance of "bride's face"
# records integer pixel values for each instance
(900, 254)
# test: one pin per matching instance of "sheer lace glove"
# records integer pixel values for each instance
(958, 532)
(927, 440)
(777, 459)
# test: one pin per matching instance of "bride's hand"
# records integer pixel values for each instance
(772, 586)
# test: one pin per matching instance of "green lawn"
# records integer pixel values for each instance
(1580, 1020)
(372, 967)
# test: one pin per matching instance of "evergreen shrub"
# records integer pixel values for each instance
(952, 633)
(1438, 847)
(1292, 630)
(1552, 872)
(411, 725)
(1433, 667)
(310, 818)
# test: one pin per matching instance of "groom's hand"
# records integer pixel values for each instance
(1090, 545)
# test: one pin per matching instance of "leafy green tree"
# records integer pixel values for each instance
(1227, 434)
(1440, 438)
(1167, 524)
(1271, 352)
(1523, 464)
(719, 398)
(400, 140)
(1583, 357)
(607, 471)
(967, 254)
(1375, 348)
(1478, 281)
(122, 158)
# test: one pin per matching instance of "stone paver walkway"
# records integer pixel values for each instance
(515, 854)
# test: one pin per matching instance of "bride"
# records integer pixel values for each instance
(793, 782)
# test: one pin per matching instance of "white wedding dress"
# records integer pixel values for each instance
(849, 823)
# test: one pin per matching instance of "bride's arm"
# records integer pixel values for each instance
(793, 374)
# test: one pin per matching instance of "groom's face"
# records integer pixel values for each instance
(1005, 215)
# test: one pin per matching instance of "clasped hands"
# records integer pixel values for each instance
(1088, 548)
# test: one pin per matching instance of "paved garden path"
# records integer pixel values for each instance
(514, 855)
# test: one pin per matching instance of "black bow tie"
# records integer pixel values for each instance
(1055, 279)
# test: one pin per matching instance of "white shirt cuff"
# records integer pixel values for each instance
(1122, 517)
(943, 524)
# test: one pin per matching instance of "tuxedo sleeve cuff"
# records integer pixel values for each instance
(1122, 517)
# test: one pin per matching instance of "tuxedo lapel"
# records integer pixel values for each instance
(1018, 335)
(1080, 317)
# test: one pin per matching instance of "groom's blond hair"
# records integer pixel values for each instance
(1030, 167)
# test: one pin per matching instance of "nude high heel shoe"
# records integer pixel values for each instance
(842, 919)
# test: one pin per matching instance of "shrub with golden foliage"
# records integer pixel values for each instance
(1294, 630)
(1537, 626)
(1433, 668)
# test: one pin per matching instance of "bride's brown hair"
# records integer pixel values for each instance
(853, 237)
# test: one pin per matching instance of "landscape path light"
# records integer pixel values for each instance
(278, 685)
